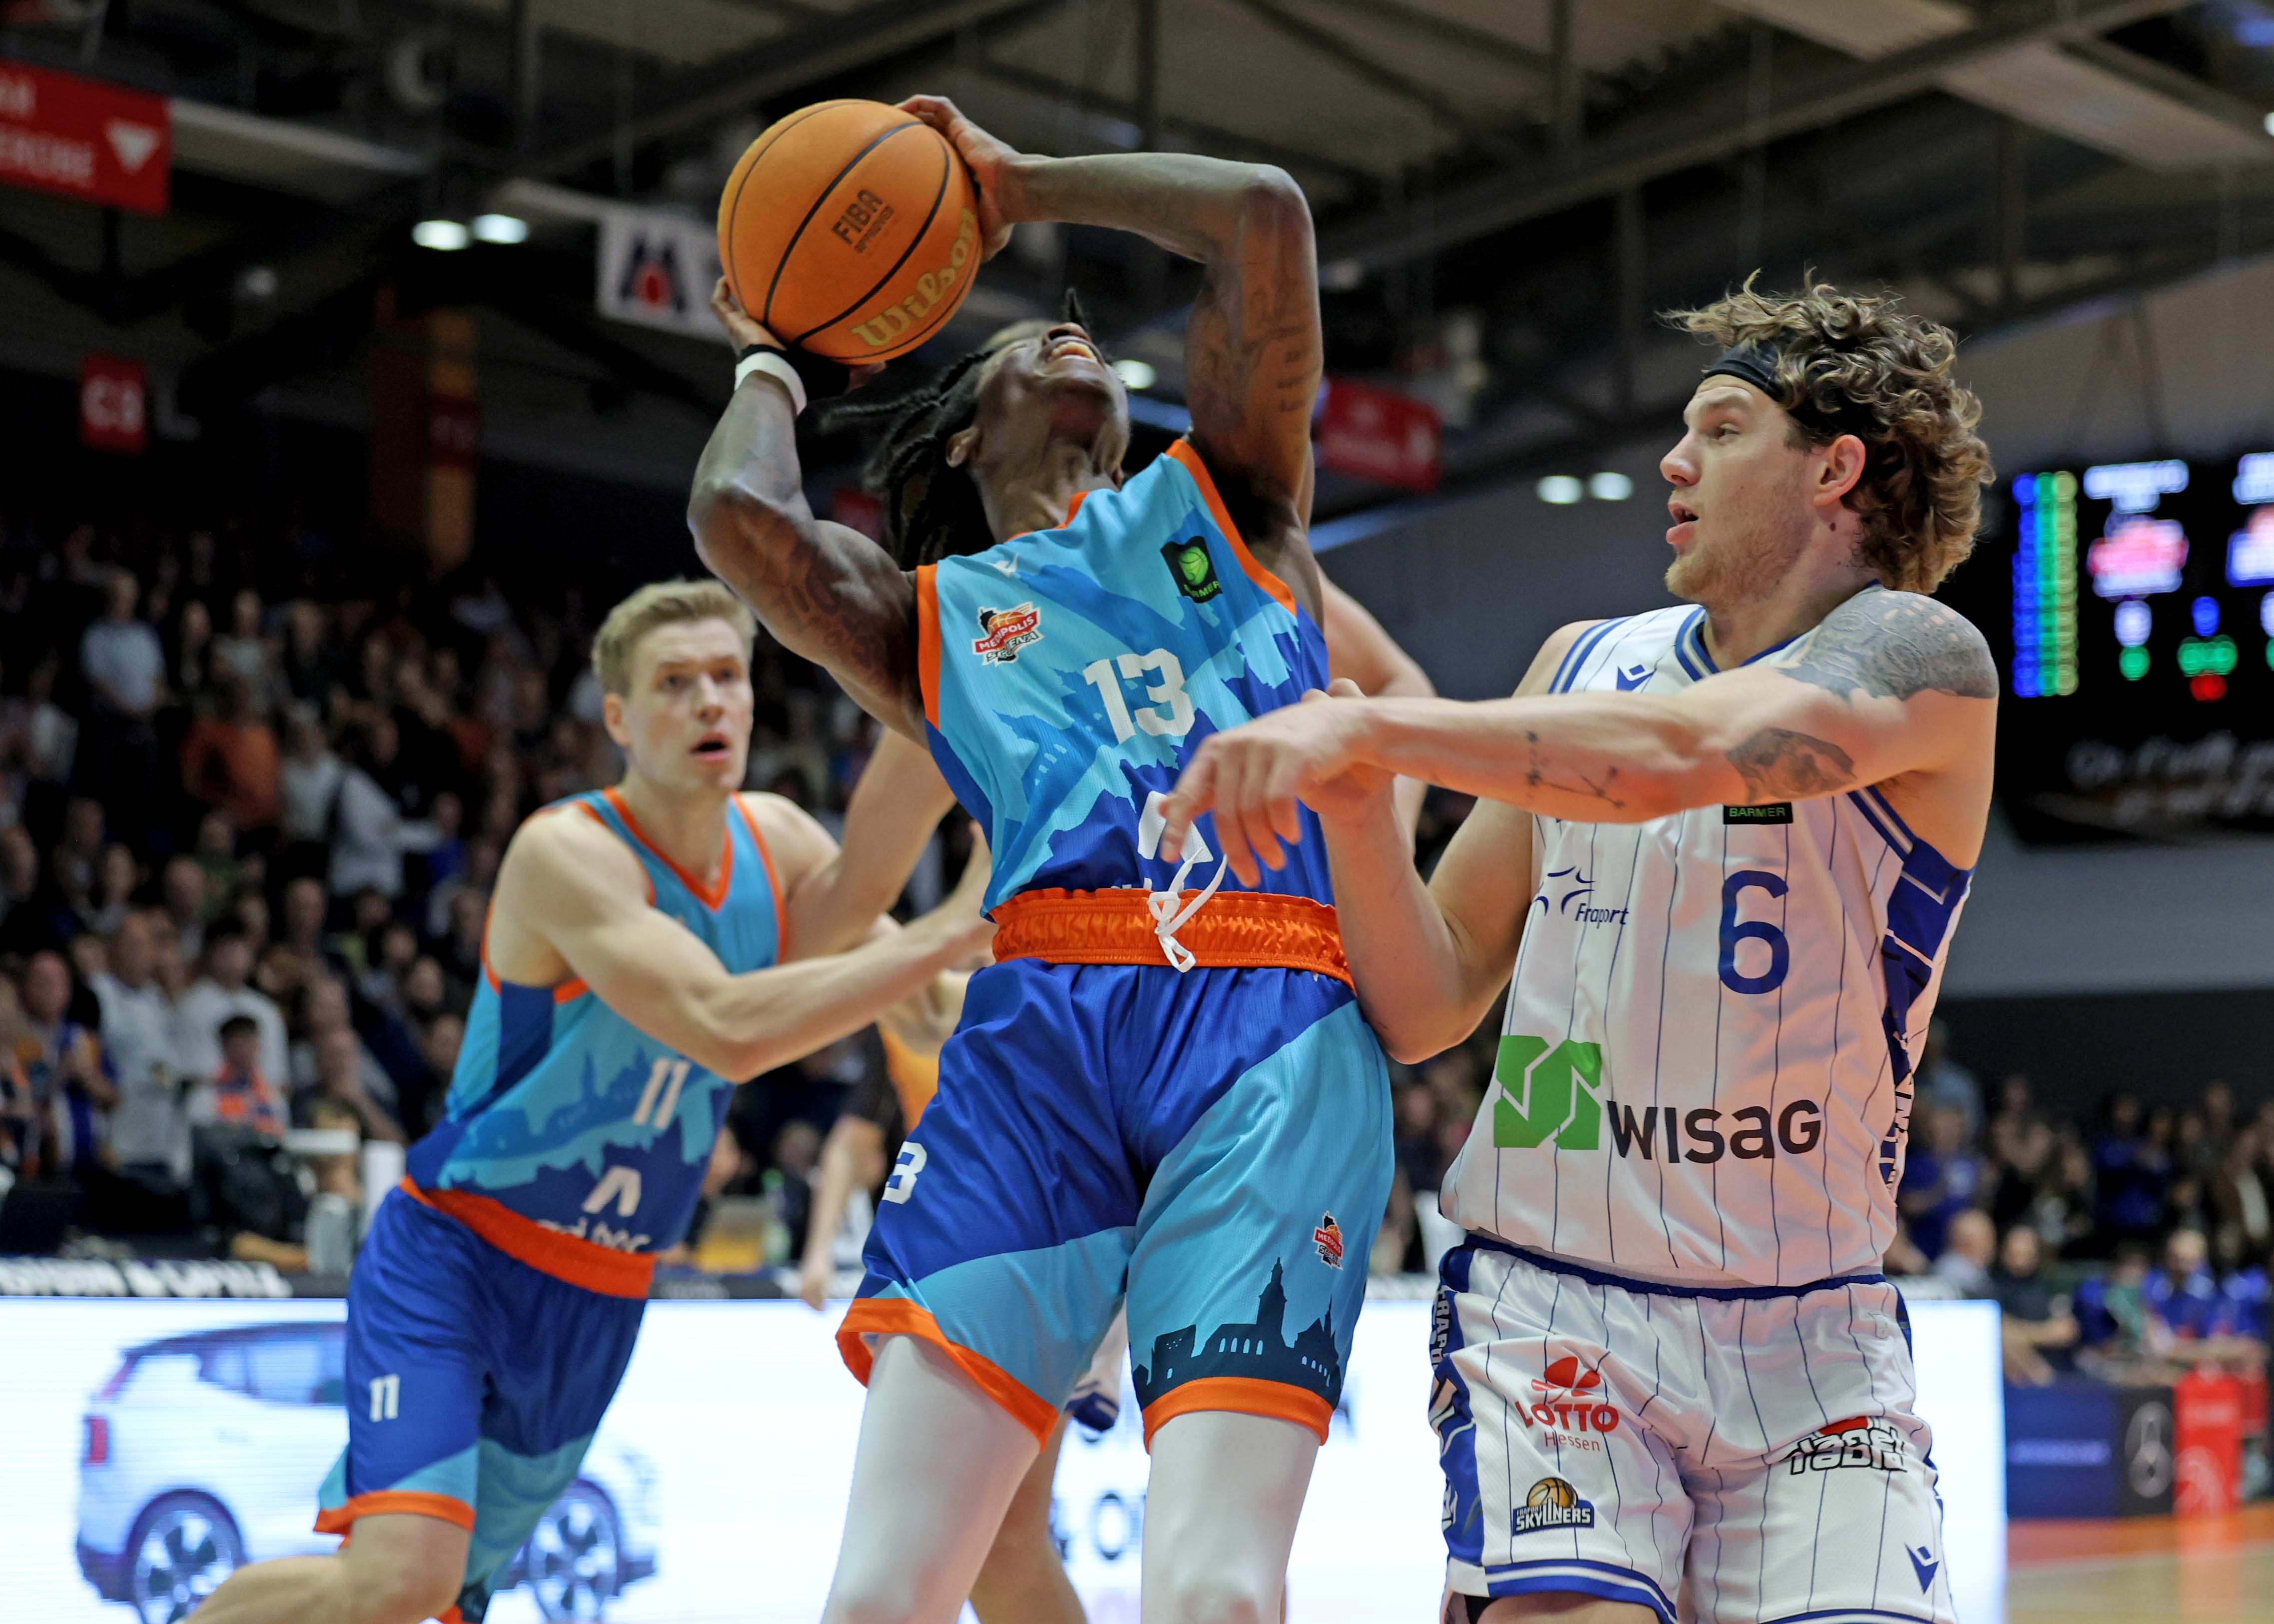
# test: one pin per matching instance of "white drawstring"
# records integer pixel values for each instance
(1168, 919)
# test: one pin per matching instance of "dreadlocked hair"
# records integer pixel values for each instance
(932, 509)
(1920, 496)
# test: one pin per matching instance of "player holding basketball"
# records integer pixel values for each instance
(1167, 1087)
(1722, 849)
(635, 967)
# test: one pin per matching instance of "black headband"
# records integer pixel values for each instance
(1756, 364)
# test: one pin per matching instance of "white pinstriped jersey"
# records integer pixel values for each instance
(1705, 1072)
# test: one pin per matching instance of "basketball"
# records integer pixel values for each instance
(848, 229)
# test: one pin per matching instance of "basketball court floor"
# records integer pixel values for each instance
(2216, 1570)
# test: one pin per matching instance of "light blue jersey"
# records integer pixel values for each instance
(570, 1139)
(1069, 674)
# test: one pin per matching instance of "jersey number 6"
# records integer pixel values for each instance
(1752, 929)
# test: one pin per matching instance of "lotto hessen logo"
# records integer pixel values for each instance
(1553, 1503)
(1004, 632)
(1328, 1237)
(1567, 1403)
(1553, 1095)
(1859, 1440)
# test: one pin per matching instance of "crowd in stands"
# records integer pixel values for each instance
(251, 803)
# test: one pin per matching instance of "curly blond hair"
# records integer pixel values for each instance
(1856, 359)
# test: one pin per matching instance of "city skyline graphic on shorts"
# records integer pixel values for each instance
(1258, 1349)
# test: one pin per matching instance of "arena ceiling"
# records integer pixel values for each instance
(1505, 190)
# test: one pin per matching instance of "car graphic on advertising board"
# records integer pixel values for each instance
(204, 1452)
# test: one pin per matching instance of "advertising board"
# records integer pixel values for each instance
(144, 1432)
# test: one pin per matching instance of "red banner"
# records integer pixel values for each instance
(1378, 434)
(2207, 1408)
(84, 139)
(114, 405)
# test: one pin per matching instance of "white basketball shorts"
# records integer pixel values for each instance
(1712, 1454)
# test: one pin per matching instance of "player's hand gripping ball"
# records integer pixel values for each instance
(852, 230)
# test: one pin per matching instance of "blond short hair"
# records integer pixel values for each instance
(662, 603)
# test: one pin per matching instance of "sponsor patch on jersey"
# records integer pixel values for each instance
(1858, 1441)
(1553, 1503)
(1192, 569)
(1328, 1238)
(1775, 812)
(1004, 632)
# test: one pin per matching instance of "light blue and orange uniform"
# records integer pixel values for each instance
(1215, 1141)
(495, 1302)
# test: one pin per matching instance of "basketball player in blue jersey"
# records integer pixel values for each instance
(636, 965)
(1722, 850)
(1163, 1087)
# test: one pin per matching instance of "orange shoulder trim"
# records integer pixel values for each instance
(927, 639)
(1241, 1395)
(1195, 464)
(773, 879)
(897, 1316)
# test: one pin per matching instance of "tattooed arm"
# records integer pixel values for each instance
(1893, 687)
(825, 590)
(1251, 350)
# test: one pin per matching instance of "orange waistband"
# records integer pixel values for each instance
(1243, 930)
(549, 1251)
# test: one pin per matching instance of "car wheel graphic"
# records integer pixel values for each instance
(182, 1546)
(574, 1555)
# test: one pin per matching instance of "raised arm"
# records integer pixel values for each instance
(1253, 349)
(895, 807)
(572, 902)
(1894, 687)
(825, 590)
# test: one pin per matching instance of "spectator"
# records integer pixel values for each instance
(125, 668)
(309, 666)
(308, 780)
(150, 1129)
(70, 1092)
(114, 896)
(242, 656)
(230, 760)
(339, 1079)
(443, 1040)
(78, 856)
(2182, 1297)
(2131, 1173)
(2238, 1196)
(190, 662)
(29, 910)
(183, 893)
(2039, 1331)
(1969, 1244)
(216, 854)
(306, 907)
(50, 734)
(334, 1231)
(1942, 1177)
(1943, 1084)
(370, 834)
(324, 1011)
(223, 991)
(240, 1093)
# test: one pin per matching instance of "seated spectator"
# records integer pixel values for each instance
(2111, 1318)
(2131, 1173)
(308, 785)
(1942, 1177)
(2193, 1317)
(113, 897)
(70, 1088)
(1969, 1246)
(1944, 1085)
(2038, 1330)
(229, 760)
(225, 990)
(339, 1079)
(183, 894)
(325, 1010)
(216, 854)
(2240, 1208)
(334, 1232)
(370, 834)
(239, 1094)
(150, 1130)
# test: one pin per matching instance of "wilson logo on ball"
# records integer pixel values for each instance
(885, 327)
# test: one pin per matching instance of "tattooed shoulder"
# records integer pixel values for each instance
(1890, 645)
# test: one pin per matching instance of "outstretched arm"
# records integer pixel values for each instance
(1359, 648)
(572, 901)
(1893, 683)
(1252, 349)
(825, 590)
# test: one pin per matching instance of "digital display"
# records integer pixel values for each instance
(715, 1489)
(2140, 645)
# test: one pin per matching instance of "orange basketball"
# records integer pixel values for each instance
(848, 229)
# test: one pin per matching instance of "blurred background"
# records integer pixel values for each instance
(354, 359)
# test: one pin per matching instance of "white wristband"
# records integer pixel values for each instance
(775, 365)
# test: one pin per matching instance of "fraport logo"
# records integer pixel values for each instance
(1553, 1503)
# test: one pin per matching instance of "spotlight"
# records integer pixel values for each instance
(1560, 489)
(1137, 374)
(1609, 487)
(443, 236)
(501, 229)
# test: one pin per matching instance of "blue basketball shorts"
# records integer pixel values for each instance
(1214, 1145)
(474, 1385)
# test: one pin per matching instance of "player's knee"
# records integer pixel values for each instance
(403, 1593)
(871, 1598)
(1205, 1598)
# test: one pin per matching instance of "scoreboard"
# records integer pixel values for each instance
(2138, 629)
